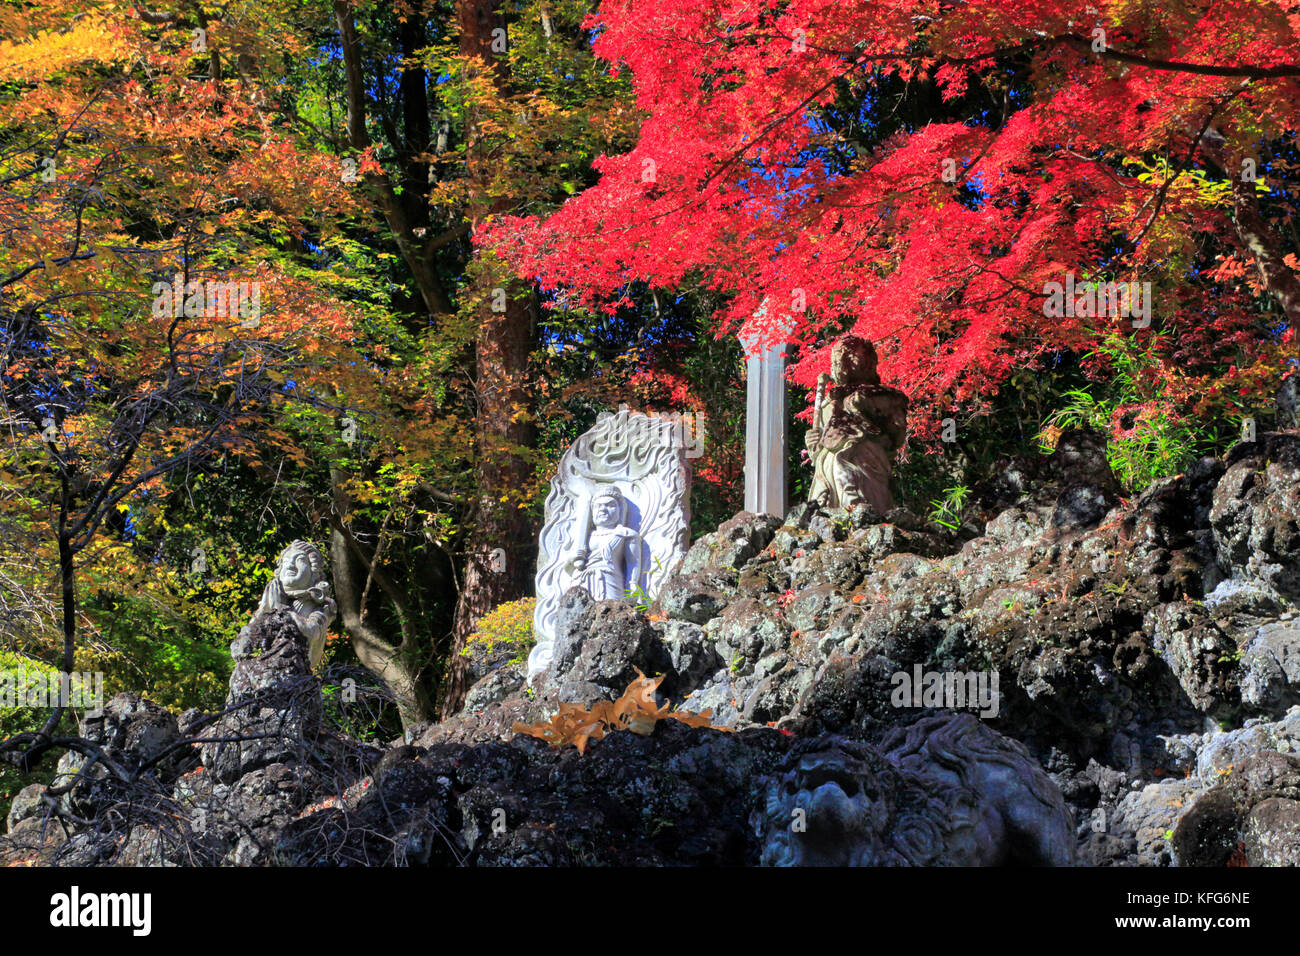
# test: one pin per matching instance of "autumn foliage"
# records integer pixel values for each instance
(465, 253)
(918, 172)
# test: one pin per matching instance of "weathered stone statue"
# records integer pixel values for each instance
(858, 425)
(617, 518)
(301, 586)
(274, 704)
(945, 791)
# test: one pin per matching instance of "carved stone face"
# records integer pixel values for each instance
(605, 511)
(296, 572)
(844, 793)
(853, 361)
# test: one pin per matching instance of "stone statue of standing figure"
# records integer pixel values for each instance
(858, 424)
(607, 557)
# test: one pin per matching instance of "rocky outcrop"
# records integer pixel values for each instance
(1127, 640)
(1141, 657)
(273, 710)
(1254, 514)
(136, 735)
(1251, 817)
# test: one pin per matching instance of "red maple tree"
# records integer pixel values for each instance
(781, 161)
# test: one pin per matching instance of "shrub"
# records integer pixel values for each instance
(16, 720)
(505, 630)
(1147, 437)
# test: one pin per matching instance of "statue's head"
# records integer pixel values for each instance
(859, 810)
(299, 581)
(300, 567)
(609, 508)
(853, 361)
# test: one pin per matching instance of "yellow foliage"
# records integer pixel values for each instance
(507, 625)
(51, 51)
(636, 711)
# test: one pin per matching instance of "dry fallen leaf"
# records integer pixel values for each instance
(636, 710)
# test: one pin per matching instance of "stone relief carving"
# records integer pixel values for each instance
(617, 518)
(945, 791)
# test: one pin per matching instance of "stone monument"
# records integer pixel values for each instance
(858, 424)
(765, 410)
(617, 518)
(274, 705)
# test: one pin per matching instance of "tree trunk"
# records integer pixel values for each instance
(504, 429)
(376, 654)
(396, 662)
(417, 252)
(1261, 242)
(505, 343)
